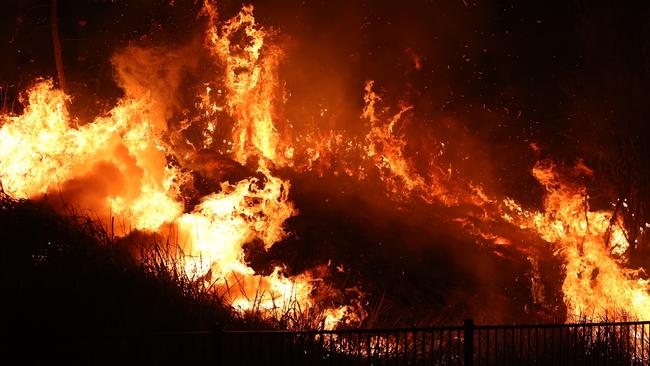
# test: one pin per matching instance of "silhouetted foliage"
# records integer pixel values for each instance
(64, 280)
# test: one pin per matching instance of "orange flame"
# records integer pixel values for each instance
(119, 165)
(41, 149)
(597, 283)
(251, 66)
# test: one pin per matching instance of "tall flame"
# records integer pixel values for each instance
(597, 283)
(251, 83)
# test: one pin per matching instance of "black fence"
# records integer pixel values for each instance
(623, 343)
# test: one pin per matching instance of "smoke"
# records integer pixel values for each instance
(90, 190)
(157, 73)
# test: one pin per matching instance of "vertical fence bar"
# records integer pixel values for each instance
(478, 341)
(368, 348)
(468, 338)
(627, 343)
(359, 349)
(258, 350)
(520, 352)
(618, 342)
(415, 346)
(643, 344)
(552, 340)
(542, 346)
(496, 346)
(317, 347)
(634, 345)
(567, 346)
(573, 343)
(291, 340)
(562, 356)
(511, 346)
(331, 349)
(528, 344)
(487, 348)
(423, 349)
(611, 334)
(449, 351)
(406, 348)
(217, 335)
(428, 355)
(505, 346)
(591, 341)
(459, 348)
(396, 349)
(504, 342)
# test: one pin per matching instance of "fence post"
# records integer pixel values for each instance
(217, 343)
(468, 337)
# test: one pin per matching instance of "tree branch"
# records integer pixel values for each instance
(57, 45)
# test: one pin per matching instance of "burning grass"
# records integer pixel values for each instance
(68, 275)
(67, 281)
(43, 246)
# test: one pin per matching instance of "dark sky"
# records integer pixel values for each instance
(572, 76)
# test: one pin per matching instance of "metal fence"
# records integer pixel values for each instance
(439, 346)
(623, 343)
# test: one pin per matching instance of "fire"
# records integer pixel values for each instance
(127, 150)
(40, 146)
(251, 82)
(224, 221)
(42, 149)
(591, 243)
(134, 164)
(386, 148)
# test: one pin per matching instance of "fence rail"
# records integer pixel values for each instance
(622, 343)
